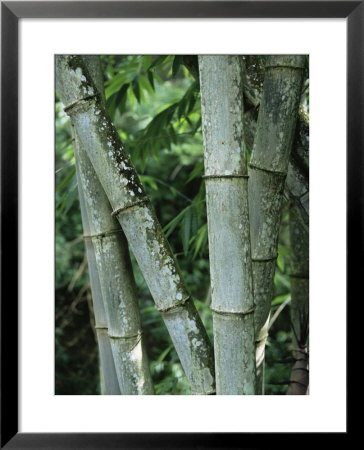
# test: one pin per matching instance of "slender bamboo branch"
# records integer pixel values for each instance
(267, 173)
(138, 220)
(228, 223)
(108, 379)
(299, 238)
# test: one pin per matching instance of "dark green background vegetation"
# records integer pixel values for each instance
(155, 105)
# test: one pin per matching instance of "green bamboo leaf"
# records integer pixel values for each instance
(147, 61)
(194, 220)
(72, 195)
(149, 180)
(201, 240)
(280, 262)
(158, 61)
(196, 172)
(164, 354)
(110, 105)
(186, 231)
(181, 111)
(120, 100)
(151, 79)
(280, 299)
(67, 179)
(176, 64)
(168, 229)
(145, 85)
(136, 88)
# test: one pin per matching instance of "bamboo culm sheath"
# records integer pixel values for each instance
(136, 216)
(228, 223)
(267, 173)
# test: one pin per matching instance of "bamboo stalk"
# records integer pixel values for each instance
(108, 378)
(267, 173)
(135, 214)
(299, 239)
(117, 284)
(296, 187)
(115, 271)
(228, 223)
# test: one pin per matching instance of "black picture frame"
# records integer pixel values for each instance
(11, 12)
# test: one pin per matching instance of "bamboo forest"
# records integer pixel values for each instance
(182, 225)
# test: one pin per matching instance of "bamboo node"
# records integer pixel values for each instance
(68, 109)
(302, 276)
(209, 177)
(285, 66)
(172, 308)
(101, 328)
(128, 338)
(273, 258)
(122, 209)
(102, 234)
(238, 313)
(273, 172)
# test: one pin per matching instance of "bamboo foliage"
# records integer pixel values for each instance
(299, 238)
(267, 173)
(136, 216)
(228, 223)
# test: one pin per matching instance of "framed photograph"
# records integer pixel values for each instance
(42, 409)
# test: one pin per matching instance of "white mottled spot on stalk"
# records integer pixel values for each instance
(110, 153)
(79, 72)
(131, 193)
(196, 342)
(104, 123)
(139, 190)
(192, 325)
(208, 379)
(240, 226)
(72, 72)
(109, 144)
(97, 112)
(239, 150)
(83, 78)
(179, 296)
(149, 219)
(153, 253)
(281, 135)
(90, 90)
